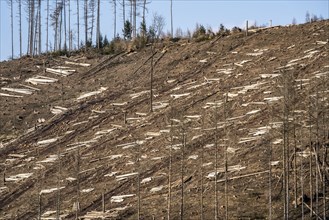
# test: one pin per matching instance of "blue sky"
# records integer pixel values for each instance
(210, 13)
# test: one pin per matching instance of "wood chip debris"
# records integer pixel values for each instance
(159, 105)
(50, 159)
(77, 64)
(18, 90)
(87, 190)
(88, 94)
(46, 191)
(58, 110)
(106, 131)
(156, 189)
(121, 198)
(41, 80)
(18, 177)
(138, 94)
(146, 180)
(60, 72)
(125, 176)
(9, 95)
(153, 134)
(234, 168)
(47, 141)
(193, 157)
(176, 96)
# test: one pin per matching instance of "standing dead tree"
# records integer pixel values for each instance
(170, 160)
(70, 30)
(325, 142)
(77, 202)
(78, 25)
(134, 13)
(216, 160)
(10, 2)
(288, 96)
(20, 26)
(151, 78)
(310, 151)
(39, 27)
(138, 180)
(58, 196)
(47, 27)
(201, 169)
(86, 23)
(55, 19)
(226, 145)
(31, 26)
(183, 134)
(98, 25)
(115, 19)
(123, 5)
(171, 20)
(270, 167)
(92, 7)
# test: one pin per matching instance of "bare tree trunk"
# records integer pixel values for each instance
(12, 27)
(56, 30)
(324, 148)
(58, 202)
(201, 170)
(65, 30)
(31, 26)
(171, 20)
(77, 205)
(60, 26)
(182, 174)
(78, 25)
(47, 36)
(285, 146)
(295, 158)
(131, 13)
(35, 43)
(20, 27)
(98, 25)
(170, 162)
(138, 183)
(92, 9)
(70, 39)
(123, 12)
(39, 12)
(151, 80)
(270, 170)
(28, 2)
(115, 19)
(225, 156)
(316, 151)
(135, 18)
(216, 161)
(86, 23)
(144, 21)
(310, 157)
(302, 185)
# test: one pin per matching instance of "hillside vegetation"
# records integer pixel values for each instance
(81, 130)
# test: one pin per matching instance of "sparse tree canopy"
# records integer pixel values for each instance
(158, 25)
(127, 30)
(294, 21)
(307, 17)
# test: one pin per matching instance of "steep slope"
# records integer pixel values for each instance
(216, 104)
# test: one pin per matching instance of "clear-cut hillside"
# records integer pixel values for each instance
(253, 107)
